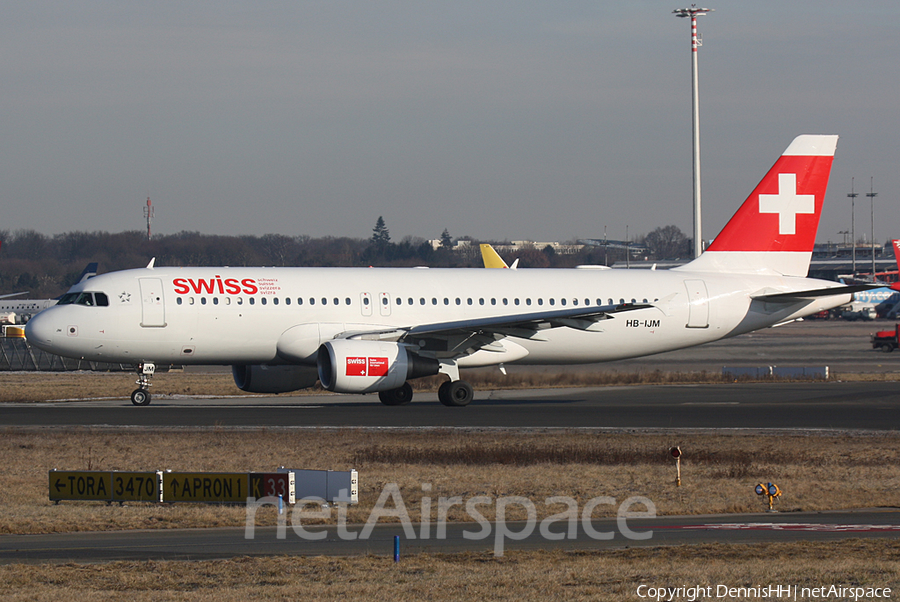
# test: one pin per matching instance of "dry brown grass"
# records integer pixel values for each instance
(719, 472)
(557, 575)
(26, 387)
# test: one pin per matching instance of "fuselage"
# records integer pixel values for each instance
(243, 315)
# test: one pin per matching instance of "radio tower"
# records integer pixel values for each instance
(148, 215)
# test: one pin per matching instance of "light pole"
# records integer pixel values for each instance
(872, 196)
(853, 196)
(693, 12)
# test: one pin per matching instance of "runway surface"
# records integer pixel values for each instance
(824, 405)
(206, 544)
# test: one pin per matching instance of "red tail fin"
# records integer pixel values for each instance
(775, 229)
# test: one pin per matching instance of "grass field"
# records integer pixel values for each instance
(557, 575)
(718, 472)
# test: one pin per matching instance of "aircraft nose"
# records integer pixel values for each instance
(40, 331)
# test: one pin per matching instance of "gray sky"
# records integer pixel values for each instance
(499, 120)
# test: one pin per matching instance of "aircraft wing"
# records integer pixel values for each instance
(451, 338)
(12, 295)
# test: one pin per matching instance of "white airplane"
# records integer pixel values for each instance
(366, 330)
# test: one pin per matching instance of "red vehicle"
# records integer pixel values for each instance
(886, 340)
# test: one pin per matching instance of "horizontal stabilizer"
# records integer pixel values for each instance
(795, 296)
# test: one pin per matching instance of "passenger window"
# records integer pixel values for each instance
(227, 300)
(191, 301)
(179, 300)
(409, 301)
(312, 301)
(399, 301)
(215, 300)
(469, 301)
(274, 300)
(202, 300)
(540, 301)
(421, 300)
(287, 300)
(347, 301)
(324, 301)
(528, 301)
(561, 302)
(263, 301)
(434, 301)
(505, 301)
(446, 301)
(252, 301)
(299, 300)
(384, 300)
(493, 301)
(240, 300)
(458, 301)
(516, 301)
(552, 301)
(338, 301)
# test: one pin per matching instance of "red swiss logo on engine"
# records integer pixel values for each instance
(367, 366)
(356, 366)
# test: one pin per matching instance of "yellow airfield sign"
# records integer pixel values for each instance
(80, 485)
(205, 486)
(104, 486)
(135, 486)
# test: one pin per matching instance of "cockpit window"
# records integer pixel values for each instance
(88, 299)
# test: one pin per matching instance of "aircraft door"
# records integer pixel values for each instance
(365, 304)
(698, 304)
(153, 309)
(384, 302)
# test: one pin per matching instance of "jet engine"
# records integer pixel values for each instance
(353, 366)
(256, 378)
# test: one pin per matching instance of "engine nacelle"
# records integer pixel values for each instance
(353, 366)
(256, 378)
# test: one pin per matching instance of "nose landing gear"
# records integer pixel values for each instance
(141, 395)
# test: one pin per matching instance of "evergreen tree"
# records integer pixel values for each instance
(446, 240)
(381, 237)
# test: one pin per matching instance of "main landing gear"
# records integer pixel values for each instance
(400, 396)
(455, 393)
(141, 395)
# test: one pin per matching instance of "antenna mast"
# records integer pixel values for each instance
(148, 215)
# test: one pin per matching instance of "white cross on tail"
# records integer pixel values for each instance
(787, 203)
